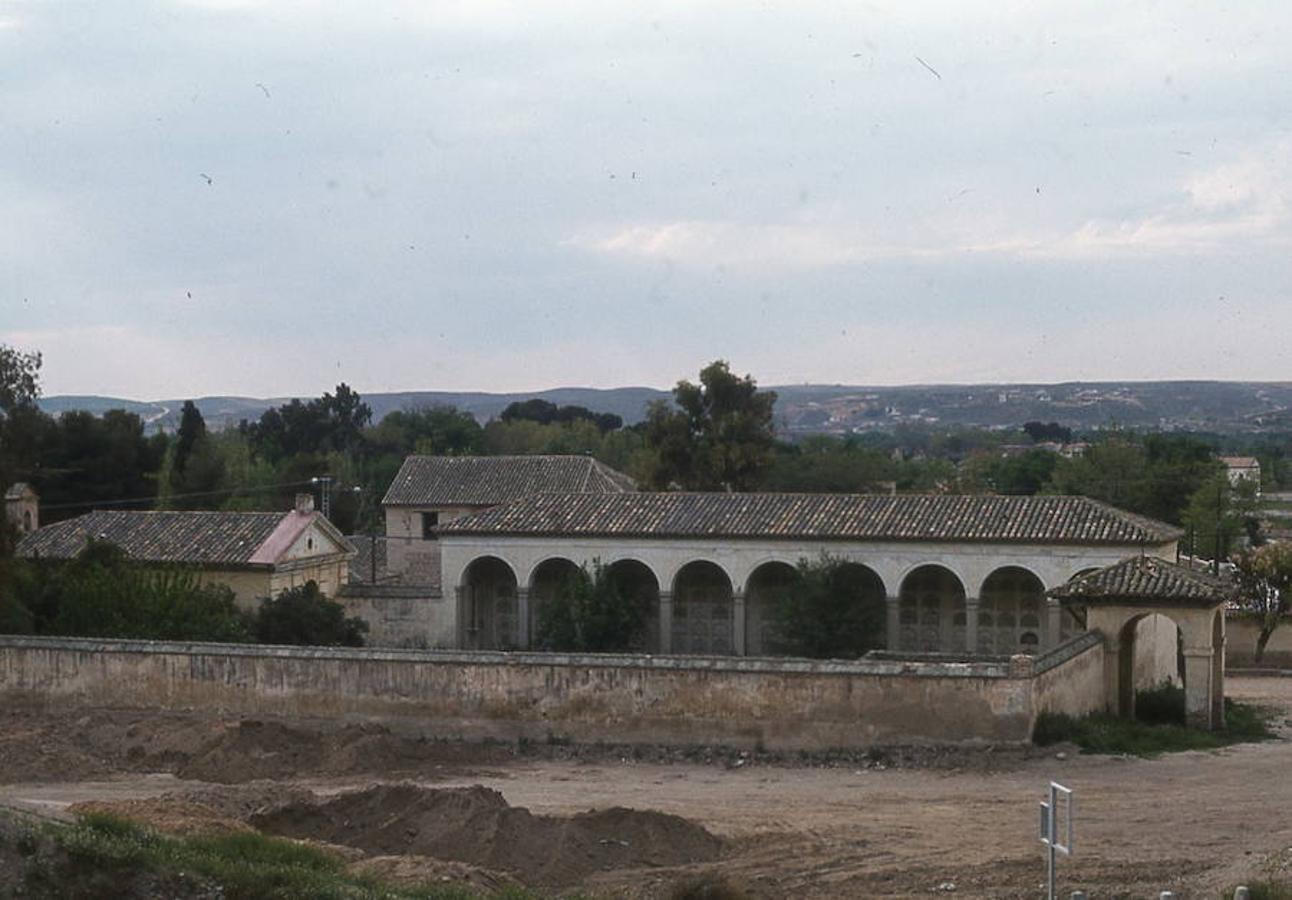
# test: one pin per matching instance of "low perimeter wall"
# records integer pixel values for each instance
(779, 704)
(1241, 633)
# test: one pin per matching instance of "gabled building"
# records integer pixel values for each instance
(430, 491)
(256, 554)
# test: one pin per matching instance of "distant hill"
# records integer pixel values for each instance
(1223, 406)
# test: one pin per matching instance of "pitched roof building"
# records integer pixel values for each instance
(432, 490)
(478, 481)
(865, 517)
(257, 554)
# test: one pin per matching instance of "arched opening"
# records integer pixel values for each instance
(764, 590)
(545, 581)
(931, 607)
(637, 584)
(488, 605)
(1011, 608)
(26, 521)
(1149, 659)
(703, 612)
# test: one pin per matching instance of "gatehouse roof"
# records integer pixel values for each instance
(905, 517)
(489, 480)
(1147, 580)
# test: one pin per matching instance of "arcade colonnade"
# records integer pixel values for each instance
(698, 597)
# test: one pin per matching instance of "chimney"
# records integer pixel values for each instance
(305, 504)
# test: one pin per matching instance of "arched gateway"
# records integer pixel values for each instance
(1116, 598)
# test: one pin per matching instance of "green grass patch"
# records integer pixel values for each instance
(243, 865)
(1158, 727)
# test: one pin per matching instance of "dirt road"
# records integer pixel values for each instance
(1189, 822)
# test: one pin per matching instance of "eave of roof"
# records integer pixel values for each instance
(1146, 581)
(839, 517)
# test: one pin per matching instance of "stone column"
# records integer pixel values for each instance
(971, 624)
(1198, 687)
(893, 623)
(1053, 624)
(522, 618)
(463, 623)
(738, 622)
(665, 622)
(1218, 684)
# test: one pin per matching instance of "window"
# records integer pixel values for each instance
(429, 521)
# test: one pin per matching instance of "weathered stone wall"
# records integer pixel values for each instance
(1241, 632)
(1070, 678)
(777, 704)
(397, 616)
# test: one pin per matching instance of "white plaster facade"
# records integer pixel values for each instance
(970, 562)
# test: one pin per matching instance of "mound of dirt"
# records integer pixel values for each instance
(252, 750)
(204, 811)
(477, 826)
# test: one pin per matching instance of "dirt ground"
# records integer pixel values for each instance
(910, 825)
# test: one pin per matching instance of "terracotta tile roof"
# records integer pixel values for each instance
(1147, 579)
(190, 537)
(489, 480)
(980, 518)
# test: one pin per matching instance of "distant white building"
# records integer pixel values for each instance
(1242, 468)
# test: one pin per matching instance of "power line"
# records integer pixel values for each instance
(153, 499)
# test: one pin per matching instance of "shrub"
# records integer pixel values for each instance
(303, 615)
(830, 611)
(589, 614)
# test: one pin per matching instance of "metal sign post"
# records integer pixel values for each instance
(1060, 808)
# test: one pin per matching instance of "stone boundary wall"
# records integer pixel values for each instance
(1070, 678)
(1241, 632)
(777, 704)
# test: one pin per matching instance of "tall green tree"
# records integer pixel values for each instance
(192, 428)
(720, 436)
(590, 613)
(833, 610)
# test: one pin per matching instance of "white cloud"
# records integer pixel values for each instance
(1219, 210)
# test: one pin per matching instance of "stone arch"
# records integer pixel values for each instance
(638, 583)
(1138, 663)
(703, 610)
(487, 605)
(764, 588)
(545, 580)
(931, 610)
(1218, 669)
(1011, 612)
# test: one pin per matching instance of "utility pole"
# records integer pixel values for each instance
(325, 494)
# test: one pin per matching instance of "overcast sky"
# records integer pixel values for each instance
(223, 197)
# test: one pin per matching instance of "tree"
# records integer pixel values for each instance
(192, 428)
(720, 436)
(545, 412)
(589, 614)
(101, 593)
(19, 379)
(1040, 431)
(304, 615)
(1219, 513)
(831, 611)
(19, 389)
(1265, 578)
